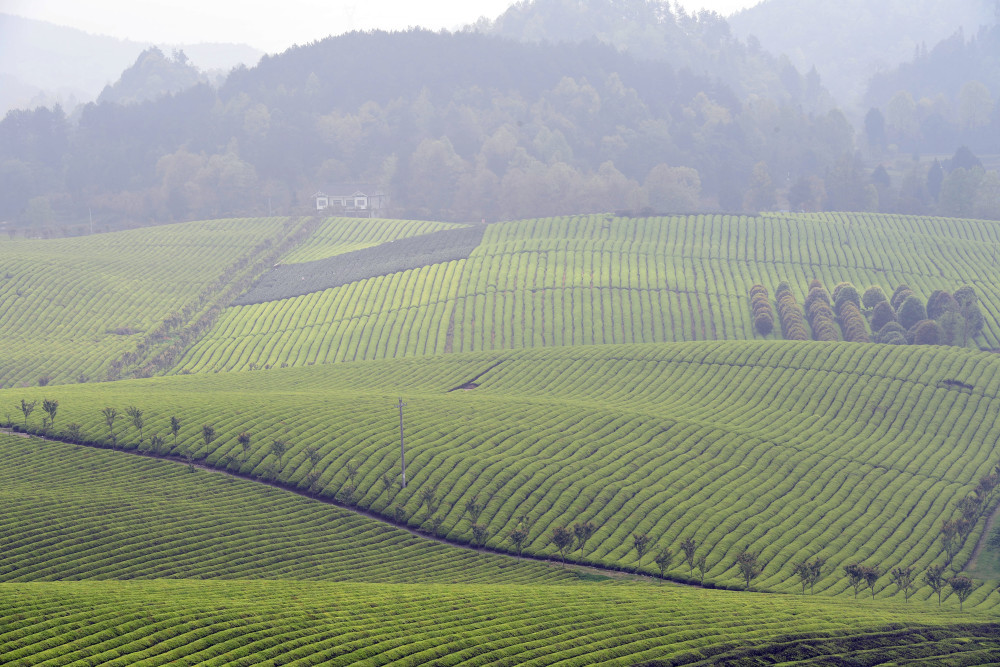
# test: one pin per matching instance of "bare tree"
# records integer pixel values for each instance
(663, 559)
(518, 536)
(175, 428)
(689, 546)
(244, 440)
(562, 538)
(583, 532)
(903, 578)
(855, 576)
(934, 577)
(871, 575)
(479, 534)
(278, 448)
(702, 564)
(750, 566)
(641, 542)
(963, 587)
(473, 508)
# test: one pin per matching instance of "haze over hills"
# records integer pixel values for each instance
(44, 63)
(851, 40)
(700, 42)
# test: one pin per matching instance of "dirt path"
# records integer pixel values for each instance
(581, 569)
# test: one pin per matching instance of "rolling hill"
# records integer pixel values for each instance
(563, 373)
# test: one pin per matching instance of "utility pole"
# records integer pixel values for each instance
(402, 448)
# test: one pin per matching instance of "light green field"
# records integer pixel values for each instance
(856, 453)
(72, 512)
(599, 280)
(290, 623)
(73, 306)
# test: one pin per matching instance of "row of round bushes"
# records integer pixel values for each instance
(793, 326)
(763, 316)
(821, 317)
(901, 319)
(847, 304)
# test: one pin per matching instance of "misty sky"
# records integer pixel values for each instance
(268, 25)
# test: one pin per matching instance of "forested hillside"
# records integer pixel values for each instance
(453, 126)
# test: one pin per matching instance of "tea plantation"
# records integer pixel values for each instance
(598, 280)
(607, 462)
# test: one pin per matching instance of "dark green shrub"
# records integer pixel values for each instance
(902, 293)
(928, 332)
(852, 323)
(911, 312)
(873, 296)
(939, 303)
(845, 293)
(881, 315)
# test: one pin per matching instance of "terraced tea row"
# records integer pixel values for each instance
(600, 280)
(787, 450)
(76, 513)
(72, 306)
(267, 623)
(336, 236)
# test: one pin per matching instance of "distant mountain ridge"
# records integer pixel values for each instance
(44, 63)
(850, 40)
(701, 42)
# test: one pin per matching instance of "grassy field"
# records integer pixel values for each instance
(599, 280)
(856, 453)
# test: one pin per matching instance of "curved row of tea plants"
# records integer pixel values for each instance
(71, 306)
(599, 279)
(76, 513)
(290, 623)
(788, 450)
(336, 236)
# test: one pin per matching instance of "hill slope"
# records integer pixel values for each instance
(790, 450)
(599, 279)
